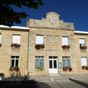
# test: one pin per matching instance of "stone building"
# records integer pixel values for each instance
(48, 46)
(13, 48)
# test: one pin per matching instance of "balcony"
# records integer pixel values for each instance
(83, 46)
(15, 45)
(39, 46)
(65, 46)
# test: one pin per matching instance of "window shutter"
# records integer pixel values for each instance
(39, 39)
(83, 61)
(64, 40)
(16, 39)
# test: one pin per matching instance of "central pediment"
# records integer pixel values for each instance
(50, 21)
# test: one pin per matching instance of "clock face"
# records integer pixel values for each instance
(52, 20)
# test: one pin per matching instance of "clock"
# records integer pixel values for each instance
(52, 20)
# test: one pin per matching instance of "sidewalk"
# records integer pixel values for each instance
(62, 81)
(44, 78)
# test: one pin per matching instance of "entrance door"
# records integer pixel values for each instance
(53, 65)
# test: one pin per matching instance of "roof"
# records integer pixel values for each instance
(14, 27)
(81, 32)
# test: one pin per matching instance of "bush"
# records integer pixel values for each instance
(2, 75)
(67, 69)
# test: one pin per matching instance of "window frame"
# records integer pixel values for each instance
(14, 58)
(39, 41)
(40, 60)
(19, 40)
(66, 42)
(84, 41)
(82, 64)
(66, 60)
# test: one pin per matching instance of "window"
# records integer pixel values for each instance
(39, 42)
(65, 41)
(16, 39)
(39, 39)
(39, 63)
(83, 61)
(66, 61)
(82, 41)
(14, 61)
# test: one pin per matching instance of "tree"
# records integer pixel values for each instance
(8, 16)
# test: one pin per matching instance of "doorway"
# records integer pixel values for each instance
(53, 65)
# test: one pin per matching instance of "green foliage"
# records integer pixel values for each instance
(8, 16)
(2, 74)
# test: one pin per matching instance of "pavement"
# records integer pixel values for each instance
(62, 81)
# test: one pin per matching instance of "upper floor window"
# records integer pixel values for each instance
(39, 39)
(39, 42)
(82, 43)
(65, 42)
(16, 41)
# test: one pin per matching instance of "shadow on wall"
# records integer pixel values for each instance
(80, 83)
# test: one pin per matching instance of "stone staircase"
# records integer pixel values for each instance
(49, 78)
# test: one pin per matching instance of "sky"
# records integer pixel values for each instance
(75, 11)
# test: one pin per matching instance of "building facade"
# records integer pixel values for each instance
(48, 46)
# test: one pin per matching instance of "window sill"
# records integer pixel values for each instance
(39, 69)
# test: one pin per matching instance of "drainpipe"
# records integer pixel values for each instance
(28, 55)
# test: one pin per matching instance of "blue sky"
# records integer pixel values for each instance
(75, 11)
